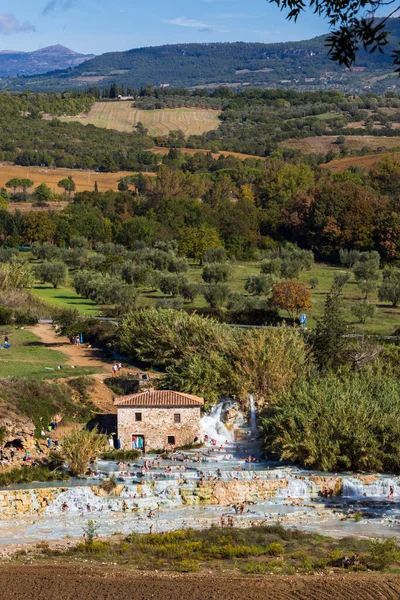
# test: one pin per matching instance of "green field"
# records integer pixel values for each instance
(66, 297)
(122, 117)
(385, 321)
(29, 357)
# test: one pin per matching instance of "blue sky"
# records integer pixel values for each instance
(97, 26)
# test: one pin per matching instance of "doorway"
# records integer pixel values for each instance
(171, 440)
(137, 442)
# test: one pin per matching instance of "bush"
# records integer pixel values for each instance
(188, 566)
(333, 424)
(81, 447)
(384, 552)
(31, 474)
(5, 315)
(216, 273)
(275, 549)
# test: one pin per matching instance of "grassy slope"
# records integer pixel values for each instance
(385, 321)
(66, 297)
(121, 116)
(28, 357)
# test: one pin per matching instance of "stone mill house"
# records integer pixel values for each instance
(156, 419)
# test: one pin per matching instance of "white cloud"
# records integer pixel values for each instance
(9, 24)
(192, 23)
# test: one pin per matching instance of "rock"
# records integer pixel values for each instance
(366, 479)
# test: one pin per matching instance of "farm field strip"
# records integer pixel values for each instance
(322, 144)
(84, 180)
(122, 117)
(365, 162)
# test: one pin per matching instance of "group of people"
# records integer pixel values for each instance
(116, 368)
(227, 522)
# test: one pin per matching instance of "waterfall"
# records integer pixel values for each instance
(213, 426)
(352, 486)
(253, 415)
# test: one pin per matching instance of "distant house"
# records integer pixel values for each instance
(155, 419)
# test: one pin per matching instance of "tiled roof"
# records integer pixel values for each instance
(159, 398)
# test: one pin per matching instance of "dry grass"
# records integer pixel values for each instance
(84, 180)
(322, 144)
(191, 151)
(365, 162)
(122, 117)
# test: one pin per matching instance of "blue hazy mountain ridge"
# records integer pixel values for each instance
(13, 63)
(301, 64)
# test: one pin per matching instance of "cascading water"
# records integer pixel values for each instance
(253, 416)
(213, 425)
(353, 487)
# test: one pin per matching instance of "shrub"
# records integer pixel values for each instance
(81, 447)
(275, 549)
(384, 552)
(314, 281)
(5, 315)
(187, 566)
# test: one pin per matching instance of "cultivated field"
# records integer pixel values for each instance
(122, 117)
(81, 581)
(364, 162)
(84, 180)
(192, 151)
(322, 144)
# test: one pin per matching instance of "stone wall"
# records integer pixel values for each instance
(157, 424)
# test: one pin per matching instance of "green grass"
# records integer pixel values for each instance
(29, 357)
(66, 297)
(385, 321)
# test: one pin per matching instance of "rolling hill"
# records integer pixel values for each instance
(299, 65)
(13, 63)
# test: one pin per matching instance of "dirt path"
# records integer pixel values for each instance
(82, 356)
(76, 582)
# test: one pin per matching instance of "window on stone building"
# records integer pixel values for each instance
(171, 440)
(177, 418)
(138, 416)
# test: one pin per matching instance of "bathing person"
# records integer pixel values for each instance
(64, 507)
(223, 522)
(391, 493)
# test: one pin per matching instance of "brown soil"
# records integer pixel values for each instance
(192, 151)
(83, 356)
(75, 582)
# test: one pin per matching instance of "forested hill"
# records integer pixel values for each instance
(301, 65)
(40, 61)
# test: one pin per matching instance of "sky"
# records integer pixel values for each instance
(97, 26)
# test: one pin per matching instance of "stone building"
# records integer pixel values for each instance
(155, 419)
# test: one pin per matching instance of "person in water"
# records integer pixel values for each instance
(391, 493)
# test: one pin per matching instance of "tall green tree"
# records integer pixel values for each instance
(330, 343)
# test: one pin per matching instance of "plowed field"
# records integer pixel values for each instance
(66, 582)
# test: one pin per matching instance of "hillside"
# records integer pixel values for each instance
(301, 65)
(13, 63)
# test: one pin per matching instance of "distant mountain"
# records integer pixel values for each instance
(301, 65)
(14, 63)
